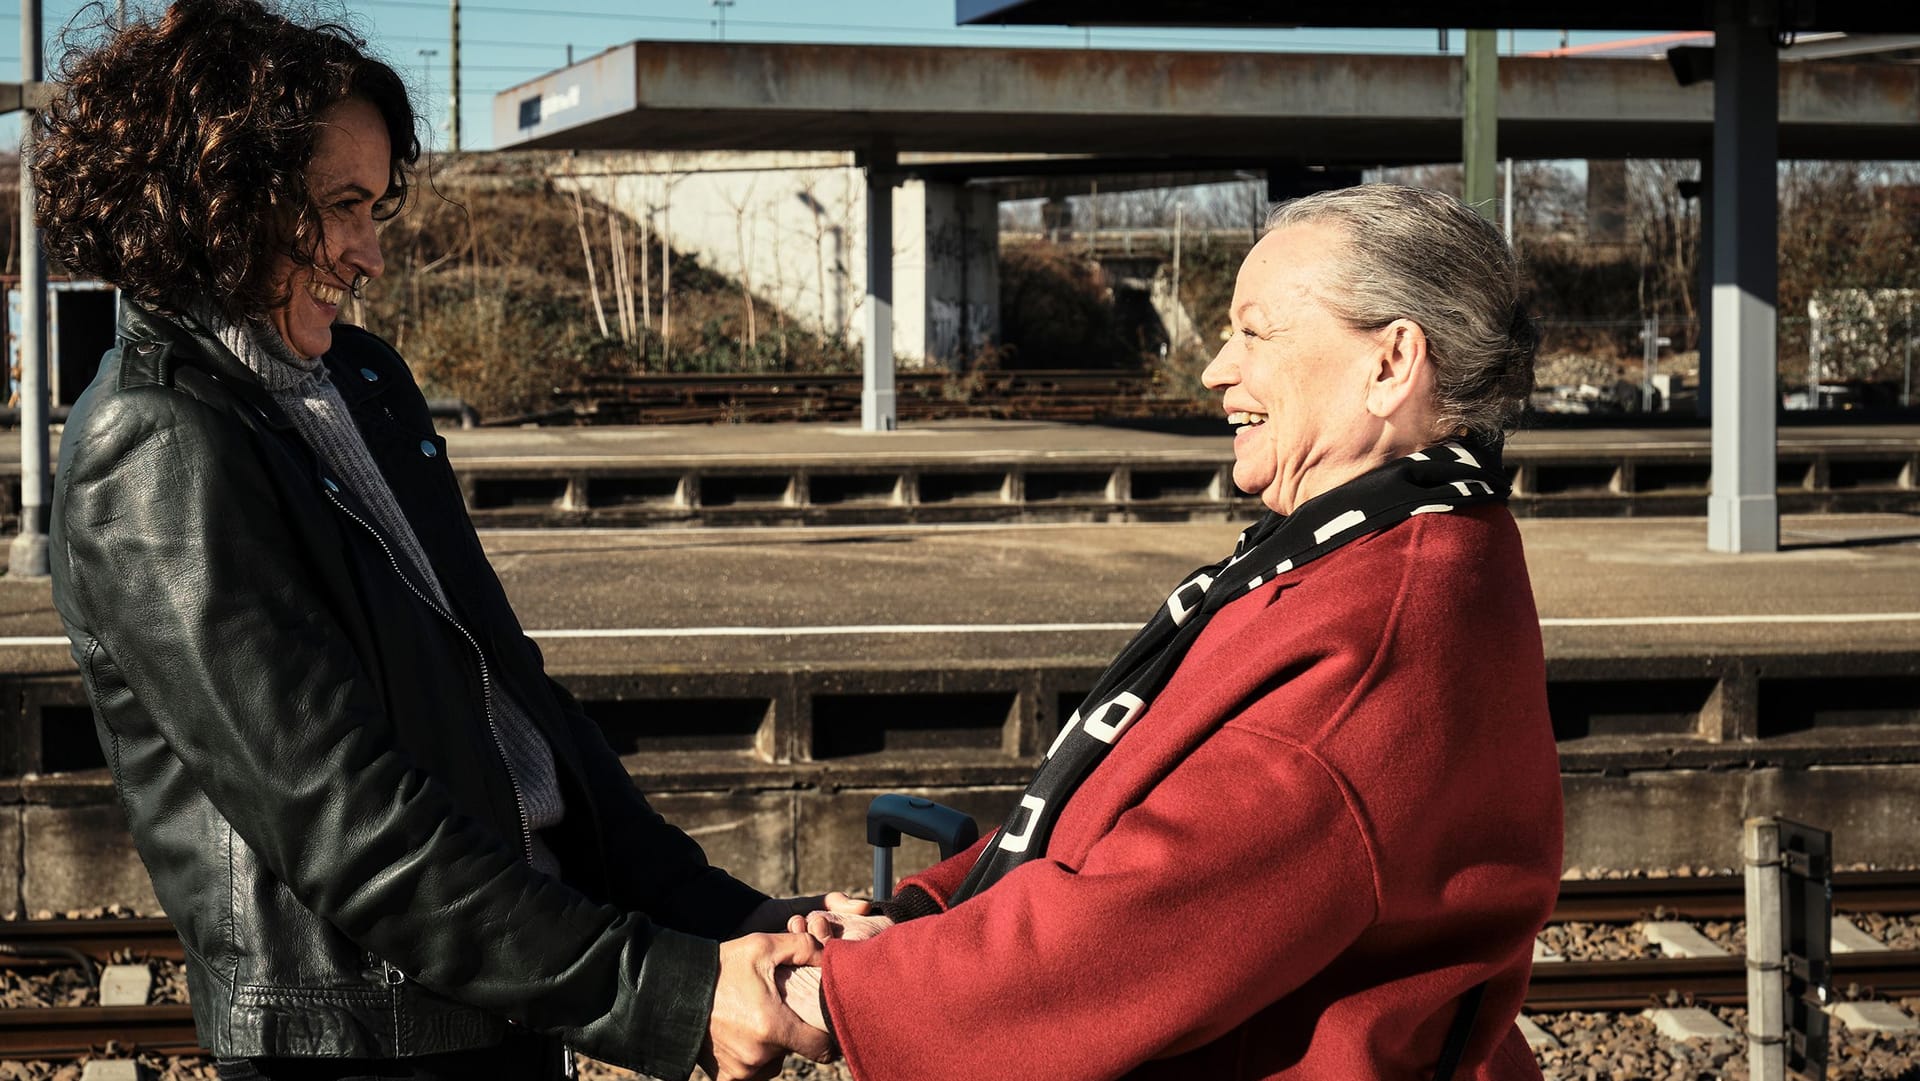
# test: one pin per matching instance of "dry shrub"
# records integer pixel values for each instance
(486, 294)
(1057, 311)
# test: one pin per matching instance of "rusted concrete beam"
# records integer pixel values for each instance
(1324, 108)
(1850, 15)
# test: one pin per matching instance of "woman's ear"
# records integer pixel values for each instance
(1401, 377)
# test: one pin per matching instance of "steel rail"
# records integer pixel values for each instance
(60, 1032)
(1620, 985)
(1621, 900)
(100, 939)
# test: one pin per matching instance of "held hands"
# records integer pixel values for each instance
(767, 998)
(777, 912)
(751, 1028)
(827, 924)
(800, 988)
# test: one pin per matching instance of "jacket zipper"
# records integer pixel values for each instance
(486, 678)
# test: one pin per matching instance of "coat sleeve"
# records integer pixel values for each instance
(939, 881)
(173, 550)
(1243, 873)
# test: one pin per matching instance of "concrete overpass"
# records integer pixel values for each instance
(1201, 109)
(1815, 15)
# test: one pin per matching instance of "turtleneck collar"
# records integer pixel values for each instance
(259, 346)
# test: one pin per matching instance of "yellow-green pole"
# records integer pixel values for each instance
(1480, 96)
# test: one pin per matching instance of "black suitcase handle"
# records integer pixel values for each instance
(894, 815)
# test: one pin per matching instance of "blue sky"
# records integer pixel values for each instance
(506, 42)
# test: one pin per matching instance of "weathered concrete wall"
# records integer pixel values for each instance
(77, 855)
(793, 225)
(961, 272)
(751, 834)
(1670, 818)
(11, 854)
(80, 856)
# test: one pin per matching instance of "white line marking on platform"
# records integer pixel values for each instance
(1722, 621)
(868, 628)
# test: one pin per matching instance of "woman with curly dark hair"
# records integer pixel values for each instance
(391, 845)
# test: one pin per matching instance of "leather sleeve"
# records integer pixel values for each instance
(176, 560)
(653, 865)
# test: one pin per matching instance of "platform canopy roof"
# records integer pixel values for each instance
(1864, 16)
(1205, 109)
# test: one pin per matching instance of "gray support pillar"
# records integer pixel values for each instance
(27, 558)
(1743, 513)
(1480, 123)
(877, 412)
(1703, 302)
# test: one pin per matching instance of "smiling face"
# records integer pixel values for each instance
(352, 159)
(1316, 401)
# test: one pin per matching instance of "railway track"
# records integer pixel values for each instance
(1620, 900)
(1624, 985)
(62, 1032)
(68, 1032)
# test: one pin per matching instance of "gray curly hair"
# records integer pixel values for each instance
(1418, 254)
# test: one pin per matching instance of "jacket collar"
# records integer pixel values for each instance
(187, 342)
(364, 375)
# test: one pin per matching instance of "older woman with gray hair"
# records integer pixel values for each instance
(1308, 822)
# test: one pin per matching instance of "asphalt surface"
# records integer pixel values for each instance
(605, 601)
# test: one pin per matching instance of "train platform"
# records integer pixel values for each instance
(996, 470)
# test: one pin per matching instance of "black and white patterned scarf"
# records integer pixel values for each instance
(1437, 479)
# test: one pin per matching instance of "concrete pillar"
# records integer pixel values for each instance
(1480, 123)
(27, 556)
(1742, 510)
(1606, 201)
(877, 411)
(961, 273)
(1056, 218)
(1703, 300)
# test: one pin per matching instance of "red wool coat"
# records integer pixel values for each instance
(1341, 814)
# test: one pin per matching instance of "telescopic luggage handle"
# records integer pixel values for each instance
(894, 814)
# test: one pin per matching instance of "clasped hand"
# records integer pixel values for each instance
(767, 998)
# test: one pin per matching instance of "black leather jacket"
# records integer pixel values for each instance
(303, 743)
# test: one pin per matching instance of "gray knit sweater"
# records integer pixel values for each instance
(302, 388)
